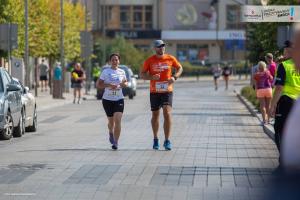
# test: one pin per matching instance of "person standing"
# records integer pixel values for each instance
(263, 79)
(217, 71)
(43, 72)
(291, 142)
(112, 80)
(287, 90)
(271, 64)
(158, 69)
(77, 78)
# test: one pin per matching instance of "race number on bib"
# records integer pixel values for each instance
(113, 92)
(161, 86)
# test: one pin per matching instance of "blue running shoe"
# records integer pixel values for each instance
(111, 138)
(167, 145)
(155, 144)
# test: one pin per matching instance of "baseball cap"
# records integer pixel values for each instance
(158, 43)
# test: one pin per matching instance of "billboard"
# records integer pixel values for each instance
(189, 15)
(270, 13)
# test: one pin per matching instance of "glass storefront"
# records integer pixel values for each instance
(192, 53)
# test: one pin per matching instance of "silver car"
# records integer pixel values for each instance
(11, 109)
(29, 105)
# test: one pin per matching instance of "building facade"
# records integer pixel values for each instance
(204, 30)
(135, 20)
(195, 30)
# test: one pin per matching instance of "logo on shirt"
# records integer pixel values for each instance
(160, 67)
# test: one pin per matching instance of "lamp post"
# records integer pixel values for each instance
(26, 54)
(62, 59)
(87, 59)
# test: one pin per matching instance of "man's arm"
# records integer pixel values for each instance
(279, 84)
(178, 72)
(176, 75)
(146, 76)
(275, 99)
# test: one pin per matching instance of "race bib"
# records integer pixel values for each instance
(113, 92)
(161, 86)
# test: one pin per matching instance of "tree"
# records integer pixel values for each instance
(262, 37)
(130, 55)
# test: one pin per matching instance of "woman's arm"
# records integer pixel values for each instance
(101, 85)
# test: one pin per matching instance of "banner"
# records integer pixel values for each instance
(270, 13)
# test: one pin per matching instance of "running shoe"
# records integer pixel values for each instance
(167, 145)
(155, 144)
(111, 138)
(114, 146)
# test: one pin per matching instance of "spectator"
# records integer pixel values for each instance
(263, 79)
(271, 63)
(291, 142)
(287, 90)
(78, 76)
(43, 71)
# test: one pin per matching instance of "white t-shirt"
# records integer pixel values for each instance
(291, 141)
(111, 76)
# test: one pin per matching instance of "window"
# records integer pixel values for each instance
(136, 17)
(125, 17)
(233, 17)
(192, 52)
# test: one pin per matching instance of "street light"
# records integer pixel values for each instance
(62, 59)
(26, 54)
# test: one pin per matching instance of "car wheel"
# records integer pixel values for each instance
(130, 96)
(7, 131)
(20, 129)
(33, 128)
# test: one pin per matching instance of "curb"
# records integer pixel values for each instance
(254, 112)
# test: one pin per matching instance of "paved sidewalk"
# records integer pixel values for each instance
(220, 152)
(45, 100)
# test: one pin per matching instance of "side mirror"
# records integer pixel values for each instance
(13, 87)
(136, 76)
(26, 90)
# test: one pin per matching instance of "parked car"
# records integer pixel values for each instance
(129, 91)
(29, 106)
(12, 116)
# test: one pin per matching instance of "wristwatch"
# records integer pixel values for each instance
(175, 77)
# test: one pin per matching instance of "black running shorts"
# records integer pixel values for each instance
(111, 107)
(158, 100)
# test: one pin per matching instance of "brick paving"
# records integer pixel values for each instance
(219, 152)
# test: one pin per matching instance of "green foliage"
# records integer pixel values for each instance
(44, 26)
(249, 93)
(262, 37)
(130, 55)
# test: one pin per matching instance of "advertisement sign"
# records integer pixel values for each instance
(270, 13)
(189, 15)
(134, 34)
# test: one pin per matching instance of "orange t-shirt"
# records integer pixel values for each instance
(163, 67)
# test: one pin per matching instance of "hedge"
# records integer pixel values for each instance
(249, 93)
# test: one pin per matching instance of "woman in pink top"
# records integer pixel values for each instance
(263, 79)
(271, 64)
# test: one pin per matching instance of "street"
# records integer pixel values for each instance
(219, 151)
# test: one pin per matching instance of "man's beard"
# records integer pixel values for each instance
(160, 53)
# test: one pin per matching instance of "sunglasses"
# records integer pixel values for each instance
(161, 46)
